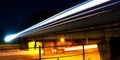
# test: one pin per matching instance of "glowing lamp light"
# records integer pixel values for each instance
(10, 37)
(62, 39)
(31, 44)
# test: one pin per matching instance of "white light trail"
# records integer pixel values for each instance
(10, 37)
(68, 12)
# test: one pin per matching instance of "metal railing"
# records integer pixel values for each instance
(81, 53)
(68, 56)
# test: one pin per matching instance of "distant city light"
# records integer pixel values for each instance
(78, 8)
(10, 37)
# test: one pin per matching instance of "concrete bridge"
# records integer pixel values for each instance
(98, 25)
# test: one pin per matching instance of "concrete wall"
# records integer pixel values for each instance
(111, 32)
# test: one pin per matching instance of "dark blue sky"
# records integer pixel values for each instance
(13, 12)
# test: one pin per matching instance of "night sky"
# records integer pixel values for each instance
(15, 12)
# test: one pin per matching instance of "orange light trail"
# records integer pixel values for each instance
(80, 47)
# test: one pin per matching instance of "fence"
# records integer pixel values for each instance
(80, 53)
(76, 52)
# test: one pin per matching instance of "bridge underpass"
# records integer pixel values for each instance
(90, 36)
(99, 34)
(101, 37)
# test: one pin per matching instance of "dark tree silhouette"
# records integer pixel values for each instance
(37, 16)
(1, 35)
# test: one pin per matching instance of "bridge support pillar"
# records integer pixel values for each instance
(104, 49)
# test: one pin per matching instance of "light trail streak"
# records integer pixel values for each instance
(80, 47)
(78, 8)
(72, 11)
